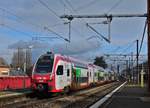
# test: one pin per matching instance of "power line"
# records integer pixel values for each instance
(86, 5)
(21, 19)
(116, 49)
(71, 6)
(65, 6)
(127, 48)
(18, 31)
(51, 10)
(46, 28)
(29, 35)
(114, 6)
(121, 49)
(143, 36)
(4, 10)
(98, 33)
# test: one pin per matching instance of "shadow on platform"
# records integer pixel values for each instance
(129, 96)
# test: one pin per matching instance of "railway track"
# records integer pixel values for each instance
(14, 97)
(79, 99)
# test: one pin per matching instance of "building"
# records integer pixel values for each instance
(4, 70)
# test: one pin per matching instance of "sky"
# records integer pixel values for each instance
(22, 20)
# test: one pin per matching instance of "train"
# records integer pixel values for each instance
(60, 73)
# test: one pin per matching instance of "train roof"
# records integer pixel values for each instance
(77, 62)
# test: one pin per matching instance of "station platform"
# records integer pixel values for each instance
(129, 96)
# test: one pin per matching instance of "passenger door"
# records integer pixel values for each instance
(68, 74)
(59, 77)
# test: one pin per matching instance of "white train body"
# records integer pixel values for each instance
(57, 73)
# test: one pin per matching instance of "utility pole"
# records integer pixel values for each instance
(118, 69)
(132, 71)
(129, 69)
(69, 31)
(70, 19)
(148, 34)
(126, 70)
(137, 62)
(18, 60)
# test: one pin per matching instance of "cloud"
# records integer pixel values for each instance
(25, 44)
(79, 46)
(33, 13)
(63, 48)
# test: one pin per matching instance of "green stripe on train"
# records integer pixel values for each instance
(101, 74)
(78, 72)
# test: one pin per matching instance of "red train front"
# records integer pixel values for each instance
(51, 73)
(42, 79)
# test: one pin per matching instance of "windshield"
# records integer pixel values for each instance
(44, 64)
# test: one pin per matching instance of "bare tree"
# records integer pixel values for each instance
(3, 62)
(28, 61)
(18, 59)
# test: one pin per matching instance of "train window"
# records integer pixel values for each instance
(60, 70)
(90, 74)
(44, 65)
(68, 72)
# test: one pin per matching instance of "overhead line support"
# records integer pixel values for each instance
(104, 16)
(148, 41)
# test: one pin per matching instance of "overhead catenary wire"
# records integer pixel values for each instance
(121, 50)
(86, 5)
(114, 6)
(128, 47)
(19, 19)
(74, 10)
(51, 10)
(116, 49)
(139, 50)
(68, 6)
(71, 6)
(65, 6)
(98, 33)
(68, 2)
(18, 31)
(145, 25)
(22, 32)
(25, 33)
